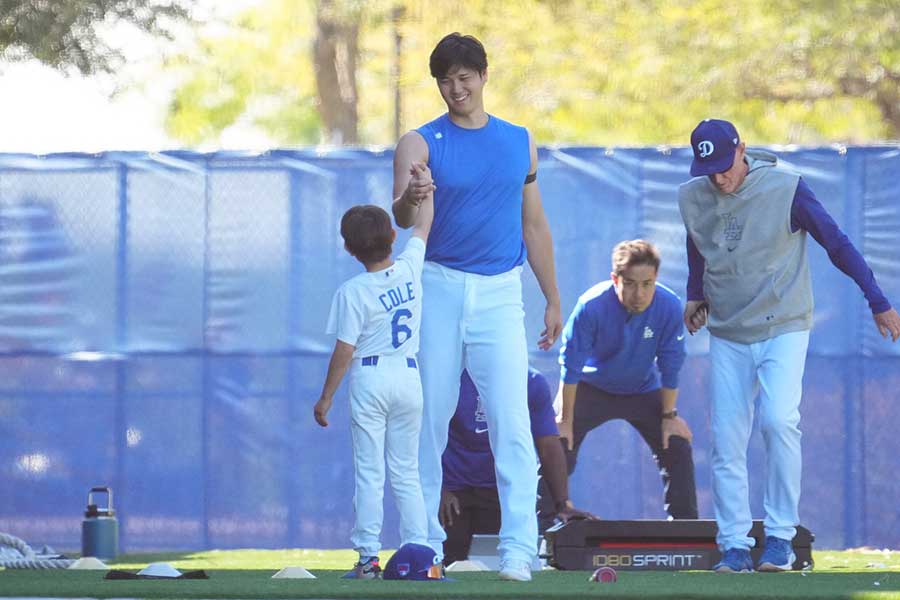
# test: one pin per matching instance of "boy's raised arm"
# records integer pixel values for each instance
(425, 215)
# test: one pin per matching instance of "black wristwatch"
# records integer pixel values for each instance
(670, 415)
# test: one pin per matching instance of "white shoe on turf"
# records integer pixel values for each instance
(515, 570)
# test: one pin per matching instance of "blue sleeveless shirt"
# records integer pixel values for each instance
(479, 174)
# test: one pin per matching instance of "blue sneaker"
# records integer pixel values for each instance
(778, 556)
(735, 560)
(366, 568)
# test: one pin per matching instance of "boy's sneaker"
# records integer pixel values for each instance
(735, 560)
(778, 556)
(366, 568)
(515, 570)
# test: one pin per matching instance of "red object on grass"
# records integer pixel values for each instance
(604, 575)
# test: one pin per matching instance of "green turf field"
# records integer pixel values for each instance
(246, 574)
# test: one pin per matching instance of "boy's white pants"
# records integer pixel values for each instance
(477, 322)
(774, 369)
(386, 416)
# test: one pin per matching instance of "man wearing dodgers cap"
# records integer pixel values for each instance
(748, 280)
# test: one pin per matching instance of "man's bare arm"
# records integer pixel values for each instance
(409, 191)
(539, 243)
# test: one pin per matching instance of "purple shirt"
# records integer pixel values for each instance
(468, 461)
(808, 214)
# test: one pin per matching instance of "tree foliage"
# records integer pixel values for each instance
(64, 33)
(260, 71)
(612, 72)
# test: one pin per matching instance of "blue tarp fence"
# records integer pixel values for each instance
(162, 332)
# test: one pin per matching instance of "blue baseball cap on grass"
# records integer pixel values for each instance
(414, 562)
(714, 143)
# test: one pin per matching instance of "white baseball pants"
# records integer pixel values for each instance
(386, 417)
(477, 322)
(774, 369)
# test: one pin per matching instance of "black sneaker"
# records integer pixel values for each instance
(366, 568)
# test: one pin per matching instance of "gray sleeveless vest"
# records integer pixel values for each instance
(756, 278)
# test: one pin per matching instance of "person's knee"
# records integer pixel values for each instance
(679, 451)
(678, 459)
(776, 426)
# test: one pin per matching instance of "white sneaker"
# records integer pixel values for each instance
(515, 570)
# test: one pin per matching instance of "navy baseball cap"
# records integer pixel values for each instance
(714, 143)
(413, 562)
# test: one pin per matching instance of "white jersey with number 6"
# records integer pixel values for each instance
(379, 312)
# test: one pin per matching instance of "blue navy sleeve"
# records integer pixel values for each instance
(696, 264)
(807, 213)
(576, 347)
(540, 406)
(670, 354)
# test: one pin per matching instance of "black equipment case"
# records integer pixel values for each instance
(650, 545)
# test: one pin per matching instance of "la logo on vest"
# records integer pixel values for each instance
(480, 415)
(733, 230)
(648, 333)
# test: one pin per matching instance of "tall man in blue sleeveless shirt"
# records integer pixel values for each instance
(746, 219)
(488, 213)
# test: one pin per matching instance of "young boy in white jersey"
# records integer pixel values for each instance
(376, 317)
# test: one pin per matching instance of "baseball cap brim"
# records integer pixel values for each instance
(711, 167)
(427, 576)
